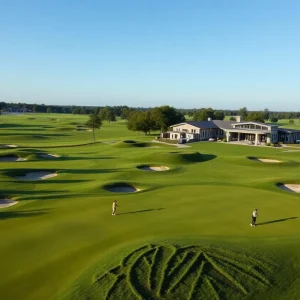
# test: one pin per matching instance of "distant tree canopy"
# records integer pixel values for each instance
(49, 110)
(243, 112)
(107, 114)
(255, 117)
(165, 116)
(204, 113)
(158, 118)
(291, 121)
(274, 120)
(233, 119)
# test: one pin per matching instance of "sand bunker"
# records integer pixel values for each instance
(290, 187)
(121, 188)
(48, 155)
(11, 158)
(154, 168)
(40, 175)
(7, 203)
(7, 146)
(265, 160)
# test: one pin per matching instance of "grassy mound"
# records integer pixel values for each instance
(177, 157)
(168, 272)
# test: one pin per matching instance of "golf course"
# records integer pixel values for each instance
(182, 228)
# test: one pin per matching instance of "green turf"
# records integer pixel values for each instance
(184, 235)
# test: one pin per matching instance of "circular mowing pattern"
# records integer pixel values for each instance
(121, 188)
(10, 158)
(265, 160)
(295, 188)
(38, 175)
(48, 155)
(167, 272)
(153, 168)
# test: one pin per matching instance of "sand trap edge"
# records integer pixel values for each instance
(290, 187)
(35, 176)
(4, 203)
(265, 160)
(154, 168)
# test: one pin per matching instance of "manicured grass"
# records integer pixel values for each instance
(185, 235)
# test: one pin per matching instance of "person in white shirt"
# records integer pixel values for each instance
(254, 216)
(114, 208)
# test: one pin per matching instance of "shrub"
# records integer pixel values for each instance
(224, 140)
(268, 144)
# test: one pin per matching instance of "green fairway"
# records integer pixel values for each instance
(184, 234)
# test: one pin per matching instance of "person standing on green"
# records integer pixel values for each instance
(114, 208)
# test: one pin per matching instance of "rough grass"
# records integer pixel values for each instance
(60, 239)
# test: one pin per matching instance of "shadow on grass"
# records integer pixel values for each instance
(141, 211)
(4, 215)
(276, 221)
(52, 181)
(97, 171)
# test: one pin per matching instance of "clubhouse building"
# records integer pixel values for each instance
(249, 132)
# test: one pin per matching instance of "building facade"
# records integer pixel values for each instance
(252, 132)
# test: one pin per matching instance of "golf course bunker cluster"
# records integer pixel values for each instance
(121, 187)
(36, 175)
(290, 187)
(265, 160)
(11, 158)
(156, 168)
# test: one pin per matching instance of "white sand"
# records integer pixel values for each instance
(291, 187)
(7, 203)
(159, 169)
(37, 176)
(123, 189)
(48, 155)
(7, 146)
(11, 158)
(266, 160)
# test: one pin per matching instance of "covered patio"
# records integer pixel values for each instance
(253, 136)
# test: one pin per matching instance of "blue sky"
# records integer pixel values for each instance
(220, 54)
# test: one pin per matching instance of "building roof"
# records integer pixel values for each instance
(287, 130)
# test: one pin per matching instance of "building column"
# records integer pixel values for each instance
(228, 136)
(256, 139)
(239, 136)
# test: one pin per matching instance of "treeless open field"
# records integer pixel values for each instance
(184, 235)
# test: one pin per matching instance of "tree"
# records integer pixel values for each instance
(94, 122)
(141, 121)
(76, 111)
(274, 120)
(291, 122)
(34, 108)
(110, 116)
(233, 119)
(243, 112)
(49, 110)
(266, 114)
(201, 115)
(165, 116)
(103, 113)
(82, 111)
(219, 115)
(255, 117)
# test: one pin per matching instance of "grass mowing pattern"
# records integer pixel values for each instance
(169, 272)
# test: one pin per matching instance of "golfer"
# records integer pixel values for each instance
(114, 208)
(254, 216)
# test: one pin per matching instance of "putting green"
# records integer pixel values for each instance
(185, 235)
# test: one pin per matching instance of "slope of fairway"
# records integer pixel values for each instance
(185, 235)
